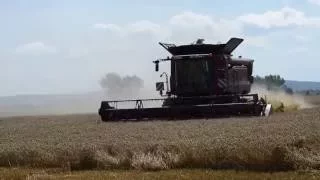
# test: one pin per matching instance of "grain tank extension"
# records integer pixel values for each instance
(205, 82)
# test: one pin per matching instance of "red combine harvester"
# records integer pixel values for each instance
(205, 82)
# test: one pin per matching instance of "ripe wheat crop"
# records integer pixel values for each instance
(284, 141)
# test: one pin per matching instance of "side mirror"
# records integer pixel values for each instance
(160, 86)
(157, 66)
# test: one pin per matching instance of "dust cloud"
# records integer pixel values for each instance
(127, 87)
(117, 87)
(277, 96)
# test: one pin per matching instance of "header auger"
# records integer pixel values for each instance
(205, 82)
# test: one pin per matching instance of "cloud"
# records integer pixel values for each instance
(282, 18)
(184, 27)
(133, 50)
(189, 19)
(144, 26)
(130, 48)
(302, 38)
(190, 26)
(35, 48)
(111, 27)
(77, 53)
(298, 50)
(258, 41)
(139, 45)
(316, 2)
(138, 27)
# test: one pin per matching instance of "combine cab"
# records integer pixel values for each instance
(205, 82)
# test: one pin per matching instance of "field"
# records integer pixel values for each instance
(313, 100)
(183, 174)
(284, 142)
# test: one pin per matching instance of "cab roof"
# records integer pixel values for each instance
(201, 48)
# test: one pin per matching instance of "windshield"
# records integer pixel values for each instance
(193, 76)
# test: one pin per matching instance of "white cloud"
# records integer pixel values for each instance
(284, 17)
(188, 19)
(297, 50)
(35, 48)
(144, 26)
(77, 53)
(130, 48)
(116, 29)
(140, 41)
(302, 38)
(316, 2)
(189, 26)
(258, 41)
(141, 37)
(185, 27)
(148, 27)
(111, 27)
(138, 27)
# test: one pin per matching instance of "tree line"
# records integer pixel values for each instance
(273, 82)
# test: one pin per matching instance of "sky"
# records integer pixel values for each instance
(54, 47)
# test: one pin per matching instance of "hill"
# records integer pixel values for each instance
(303, 85)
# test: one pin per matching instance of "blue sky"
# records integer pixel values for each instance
(67, 46)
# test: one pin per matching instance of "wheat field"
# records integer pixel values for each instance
(178, 174)
(284, 141)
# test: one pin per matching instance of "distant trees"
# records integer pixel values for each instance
(273, 82)
(121, 87)
(270, 80)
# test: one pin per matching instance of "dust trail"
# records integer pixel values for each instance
(278, 96)
(128, 87)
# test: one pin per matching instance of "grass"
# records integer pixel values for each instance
(183, 174)
(283, 142)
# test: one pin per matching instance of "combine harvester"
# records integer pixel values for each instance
(205, 82)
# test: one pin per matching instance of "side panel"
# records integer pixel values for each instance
(220, 76)
(238, 80)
